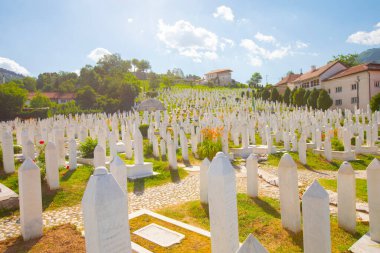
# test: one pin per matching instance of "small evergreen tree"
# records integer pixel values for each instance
(312, 100)
(324, 101)
(375, 103)
(306, 97)
(287, 96)
(298, 97)
(275, 95)
(265, 95)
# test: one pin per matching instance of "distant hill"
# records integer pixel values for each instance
(7, 75)
(370, 55)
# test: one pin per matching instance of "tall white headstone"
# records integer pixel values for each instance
(51, 160)
(289, 198)
(8, 153)
(203, 180)
(316, 220)
(373, 187)
(119, 172)
(251, 245)
(105, 214)
(99, 156)
(72, 154)
(30, 197)
(138, 146)
(222, 205)
(29, 150)
(252, 179)
(346, 198)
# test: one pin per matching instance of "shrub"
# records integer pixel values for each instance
(87, 148)
(144, 130)
(336, 144)
(152, 94)
(148, 150)
(209, 149)
(17, 149)
(375, 103)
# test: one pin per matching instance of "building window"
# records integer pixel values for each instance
(338, 102)
(377, 84)
(338, 89)
(329, 91)
(354, 100)
(353, 86)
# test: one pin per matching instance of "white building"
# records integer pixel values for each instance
(220, 77)
(354, 86)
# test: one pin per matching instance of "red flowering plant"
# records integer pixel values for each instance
(41, 151)
(211, 142)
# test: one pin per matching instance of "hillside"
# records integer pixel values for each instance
(370, 55)
(7, 75)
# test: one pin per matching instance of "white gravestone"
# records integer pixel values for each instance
(105, 214)
(373, 186)
(30, 197)
(29, 150)
(8, 153)
(72, 154)
(138, 146)
(316, 220)
(289, 198)
(119, 172)
(252, 179)
(203, 180)
(251, 245)
(52, 172)
(222, 205)
(99, 156)
(346, 198)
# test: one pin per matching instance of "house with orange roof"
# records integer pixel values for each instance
(315, 77)
(220, 77)
(57, 97)
(354, 87)
(285, 82)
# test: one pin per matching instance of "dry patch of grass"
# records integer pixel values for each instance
(60, 239)
(193, 242)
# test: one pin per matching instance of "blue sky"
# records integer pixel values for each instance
(270, 37)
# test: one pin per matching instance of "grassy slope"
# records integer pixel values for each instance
(361, 187)
(261, 216)
(318, 162)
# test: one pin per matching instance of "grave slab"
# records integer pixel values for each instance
(365, 245)
(160, 235)
(8, 198)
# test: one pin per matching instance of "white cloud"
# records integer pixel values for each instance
(366, 38)
(11, 65)
(77, 71)
(224, 12)
(256, 53)
(196, 43)
(226, 42)
(300, 44)
(264, 38)
(130, 20)
(98, 53)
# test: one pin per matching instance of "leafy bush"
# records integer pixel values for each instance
(148, 150)
(209, 148)
(375, 103)
(17, 149)
(336, 144)
(87, 148)
(144, 130)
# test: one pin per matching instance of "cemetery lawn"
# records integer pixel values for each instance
(60, 239)
(361, 187)
(318, 162)
(193, 242)
(261, 216)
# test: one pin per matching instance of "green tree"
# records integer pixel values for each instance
(167, 81)
(292, 95)
(287, 95)
(143, 66)
(135, 64)
(86, 97)
(324, 101)
(30, 83)
(12, 99)
(154, 83)
(255, 80)
(265, 94)
(375, 103)
(40, 101)
(306, 97)
(275, 95)
(298, 97)
(128, 92)
(88, 76)
(349, 60)
(312, 100)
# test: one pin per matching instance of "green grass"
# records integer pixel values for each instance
(261, 216)
(318, 162)
(361, 187)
